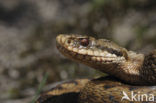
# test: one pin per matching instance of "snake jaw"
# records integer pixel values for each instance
(103, 55)
(110, 58)
(89, 49)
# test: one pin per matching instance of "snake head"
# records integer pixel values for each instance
(108, 57)
(89, 50)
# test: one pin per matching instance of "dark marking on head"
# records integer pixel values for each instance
(118, 53)
(112, 51)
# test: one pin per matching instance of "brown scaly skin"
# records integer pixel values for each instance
(108, 57)
(127, 66)
(66, 92)
(106, 90)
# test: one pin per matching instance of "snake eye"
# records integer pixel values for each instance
(84, 41)
(68, 41)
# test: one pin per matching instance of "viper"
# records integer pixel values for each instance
(129, 72)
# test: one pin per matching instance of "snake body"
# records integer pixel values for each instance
(129, 71)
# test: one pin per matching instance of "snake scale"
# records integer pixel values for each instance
(129, 72)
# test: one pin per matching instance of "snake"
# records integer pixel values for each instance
(131, 75)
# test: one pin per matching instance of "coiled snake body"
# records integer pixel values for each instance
(132, 75)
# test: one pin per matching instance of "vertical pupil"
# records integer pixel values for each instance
(84, 42)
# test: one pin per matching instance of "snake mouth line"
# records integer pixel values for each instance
(86, 57)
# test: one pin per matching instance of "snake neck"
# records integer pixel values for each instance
(108, 57)
(130, 70)
(148, 71)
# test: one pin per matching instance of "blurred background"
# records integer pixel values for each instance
(29, 60)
